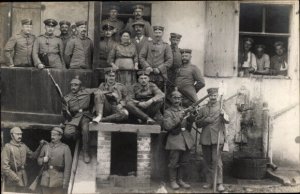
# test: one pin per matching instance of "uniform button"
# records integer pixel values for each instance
(50, 167)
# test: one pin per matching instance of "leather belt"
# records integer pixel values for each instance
(58, 168)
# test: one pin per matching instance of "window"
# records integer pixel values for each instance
(265, 24)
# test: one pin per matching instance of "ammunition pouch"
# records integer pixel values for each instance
(44, 59)
(176, 130)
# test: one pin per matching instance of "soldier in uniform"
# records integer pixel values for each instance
(65, 32)
(179, 141)
(212, 118)
(57, 160)
(21, 45)
(114, 21)
(138, 16)
(79, 106)
(79, 50)
(13, 161)
(279, 64)
(106, 45)
(48, 49)
(110, 99)
(156, 57)
(145, 99)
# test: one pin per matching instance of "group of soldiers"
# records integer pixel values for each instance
(260, 62)
(166, 77)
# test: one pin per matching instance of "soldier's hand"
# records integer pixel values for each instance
(43, 142)
(20, 183)
(142, 104)
(136, 66)
(41, 66)
(114, 66)
(119, 106)
(149, 69)
(156, 71)
(45, 159)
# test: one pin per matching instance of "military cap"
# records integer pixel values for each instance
(176, 93)
(138, 7)
(58, 130)
(79, 23)
(50, 22)
(138, 23)
(186, 51)
(16, 130)
(64, 22)
(212, 90)
(108, 27)
(278, 43)
(158, 28)
(114, 7)
(175, 35)
(260, 46)
(26, 22)
(143, 72)
(249, 40)
(75, 80)
(110, 70)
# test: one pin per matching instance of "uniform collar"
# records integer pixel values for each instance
(136, 38)
(176, 108)
(24, 35)
(107, 86)
(145, 87)
(174, 47)
(53, 145)
(157, 42)
(47, 36)
(15, 144)
(210, 104)
(187, 64)
(82, 38)
(65, 36)
(113, 20)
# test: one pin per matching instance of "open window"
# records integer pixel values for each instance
(265, 24)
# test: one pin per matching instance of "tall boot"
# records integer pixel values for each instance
(180, 177)
(115, 118)
(172, 176)
(85, 148)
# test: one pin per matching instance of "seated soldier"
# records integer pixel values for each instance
(110, 99)
(145, 99)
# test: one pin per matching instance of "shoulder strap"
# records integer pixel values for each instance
(12, 151)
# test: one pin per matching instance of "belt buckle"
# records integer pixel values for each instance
(80, 110)
(50, 167)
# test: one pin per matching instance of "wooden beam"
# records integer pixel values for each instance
(27, 125)
(133, 128)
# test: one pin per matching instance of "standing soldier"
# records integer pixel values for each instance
(79, 106)
(48, 49)
(65, 32)
(79, 50)
(212, 118)
(138, 16)
(21, 45)
(145, 99)
(179, 141)
(156, 57)
(114, 21)
(189, 79)
(13, 161)
(57, 160)
(110, 99)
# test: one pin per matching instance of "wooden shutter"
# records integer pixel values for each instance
(4, 28)
(222, 39)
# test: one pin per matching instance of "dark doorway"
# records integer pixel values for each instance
(123, 154)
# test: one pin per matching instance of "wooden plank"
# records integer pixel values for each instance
(113, 127)
(23, 85)
(8, 89)
(26, 125)
(4, 28)
(36, 90)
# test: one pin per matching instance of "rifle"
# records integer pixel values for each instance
(34, 184)
(194, 105)
(62, 99)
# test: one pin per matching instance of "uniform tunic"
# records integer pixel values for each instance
(20, 152)
(76, 50)
(58, 169)
(177, 62)
(21, 44)
(51, 45)
(140, 42)
(65, 39)
(123, 55)
(279, 65)
(105, 47)
(147, 27)
(118, 24)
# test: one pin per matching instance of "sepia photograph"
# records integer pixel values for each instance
(150, 97)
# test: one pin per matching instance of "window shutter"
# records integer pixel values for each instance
(221, 39)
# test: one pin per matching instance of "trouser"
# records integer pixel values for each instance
(109, 112)
(53, 190)
(71, 132)
(142, 113)
(178, 159)
(159, 81)
(210, 159)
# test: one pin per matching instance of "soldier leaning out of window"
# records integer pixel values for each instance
(247, 60)
(279, 64)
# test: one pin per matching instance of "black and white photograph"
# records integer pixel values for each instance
(150, 97)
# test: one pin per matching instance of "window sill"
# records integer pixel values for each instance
(268, 77)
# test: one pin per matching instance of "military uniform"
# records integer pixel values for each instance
(21, 44)
(65, 39)
(57, 170)
(116, 23)
(142, 94)
(210, 120)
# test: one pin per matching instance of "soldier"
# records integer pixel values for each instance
(212, 118)
(145, 99)
(279, 64)
(57, 160)
(79, 50)
(189, 79)
(262, 60)
(179, 141)
(110, 99)
(114, 21)
(65, 32)
(138, 16)
(156, 57)
(48, 49)
(106, 45)
(79, 106)
(13, 161)
(21, 45)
